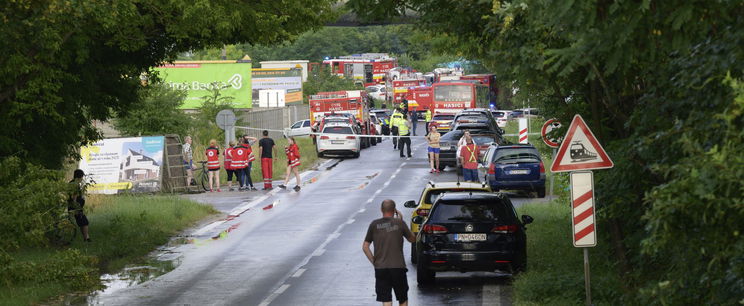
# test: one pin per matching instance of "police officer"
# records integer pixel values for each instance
(394, 119)
(427, 118)
(404, 130)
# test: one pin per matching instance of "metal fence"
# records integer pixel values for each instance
(272, 119)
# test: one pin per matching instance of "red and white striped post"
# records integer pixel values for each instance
(582, 218)
(523, 131)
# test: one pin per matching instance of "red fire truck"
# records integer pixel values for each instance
(451, 97)
(398, 89)
(365, 68)
(420, 97)
(488, 80)
(349, 103)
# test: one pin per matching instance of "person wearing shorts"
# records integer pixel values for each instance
(387, 234)
(293, 162)
(433, 138)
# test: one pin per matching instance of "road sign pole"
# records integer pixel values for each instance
(552, 174)
(587, 281)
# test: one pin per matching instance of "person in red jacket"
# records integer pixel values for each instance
(213, 164)
(229, 152)
(293, 161)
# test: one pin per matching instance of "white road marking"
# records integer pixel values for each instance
(363, 210)
(274, 295)
(207, 228)
(299, 273)
(319, 252)
(350, 221)
(491, 295)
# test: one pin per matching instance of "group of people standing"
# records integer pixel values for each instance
(238, 160)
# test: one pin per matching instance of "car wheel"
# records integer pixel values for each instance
(320, 155)
(541, 192)
(355, 155)
(424, 276)
(414, 259)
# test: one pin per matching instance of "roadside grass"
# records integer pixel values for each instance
(555, 269)
(124, 229)
(308, 157)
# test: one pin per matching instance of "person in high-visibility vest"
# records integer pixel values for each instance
(469, 155)
(404, 130)
(427, 118)
(394, 118)
(213, 165)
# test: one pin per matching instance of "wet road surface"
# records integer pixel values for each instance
(304, 248)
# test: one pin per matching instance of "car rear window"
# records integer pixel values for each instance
(471, 127)
(481, 140)
(472, 210)
(337, 130)
(498, 114)
(435, 194)
(452, 135)
(514, 155)
(443, 117)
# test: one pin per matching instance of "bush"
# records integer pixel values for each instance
(157, 113)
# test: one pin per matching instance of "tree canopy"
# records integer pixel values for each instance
(659, 82)
(66, 63)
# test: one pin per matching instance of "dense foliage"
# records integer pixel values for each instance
(657, 82)
(323, 81)
(66, 63)
(156, 113)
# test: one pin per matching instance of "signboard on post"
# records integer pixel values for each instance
(523, 131)
(288, 80)
(120, 165)
(548, 127)
(200, 78)
(582, 209)
(580, 150)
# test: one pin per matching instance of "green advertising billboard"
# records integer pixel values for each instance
(198, 78)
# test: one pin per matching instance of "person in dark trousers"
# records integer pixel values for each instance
(414, 121)
(268, 153)
(76, 201)
(404, 126)
(387, 234)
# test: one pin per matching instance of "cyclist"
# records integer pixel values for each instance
(76, 201)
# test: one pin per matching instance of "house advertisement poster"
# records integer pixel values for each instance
(120, 165)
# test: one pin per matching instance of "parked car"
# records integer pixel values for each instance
(299, 128)
(448, 142)
(501, 116)
(443, 122)
(377, 92)
(483, 141)
(515, 167)
(471, 231)
(477, 112)
(432, 191)
(339, 138)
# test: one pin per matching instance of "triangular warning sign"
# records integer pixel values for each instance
(580, 150)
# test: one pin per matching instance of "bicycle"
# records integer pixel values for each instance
(202, 176)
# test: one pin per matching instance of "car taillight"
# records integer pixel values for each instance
(434, 229)
(503, 229)
(350, 137)
(422, 212)
(492, 169)
(542, 167)
(324, 137)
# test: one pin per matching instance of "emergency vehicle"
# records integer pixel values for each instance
(452, 97)
(366, 68)
(488, 80)
(447, 74)
(348, 103)
(420, 97)
(398, 89)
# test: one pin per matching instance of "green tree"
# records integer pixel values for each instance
(67, 63)
(156, 113)
(324, 81)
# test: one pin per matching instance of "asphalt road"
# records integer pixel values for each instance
(304, 248)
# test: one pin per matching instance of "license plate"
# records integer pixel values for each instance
(521, 171)
(468, 257)
(337, 142)
(470, 237)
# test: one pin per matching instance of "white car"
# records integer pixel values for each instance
(299, 128)
(339, 138)
(377, 92)
(501, 116)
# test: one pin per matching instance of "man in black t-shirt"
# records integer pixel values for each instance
(268, 154)
(387, 234)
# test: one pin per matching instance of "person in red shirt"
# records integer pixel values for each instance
(293, 161)
(469, 156)
(229, 152)
(213, 164)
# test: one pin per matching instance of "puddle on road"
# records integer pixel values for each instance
(161, 261)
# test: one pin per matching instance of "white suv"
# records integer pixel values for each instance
(339, 138)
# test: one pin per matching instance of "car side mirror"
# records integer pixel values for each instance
(526, 219)
(417, 220)
(410, 204)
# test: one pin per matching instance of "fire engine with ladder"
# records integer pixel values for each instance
(349, 103)
(366, 68)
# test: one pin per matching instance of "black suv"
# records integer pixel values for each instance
(471, 231)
